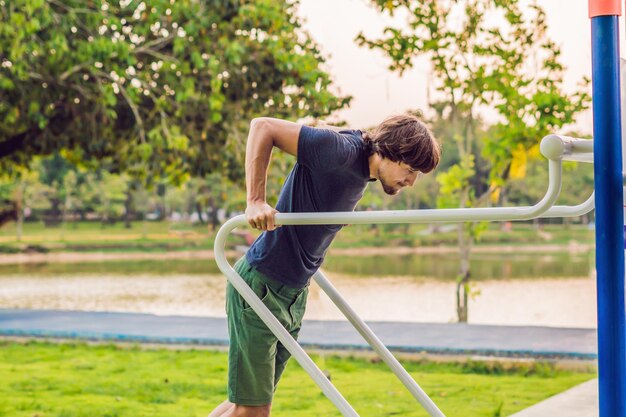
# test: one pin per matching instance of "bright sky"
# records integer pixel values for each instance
(363, 73)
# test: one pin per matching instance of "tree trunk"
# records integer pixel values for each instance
(463, 278)
(66, 207)
(567, 223)
(104, 214)
(55, 212)
(127, 208)
(199, 212)
(536, 223)
(19, 207)
(462, 296)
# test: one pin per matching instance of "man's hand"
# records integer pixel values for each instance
(260, 215)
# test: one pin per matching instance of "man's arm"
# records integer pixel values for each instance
(265, 134)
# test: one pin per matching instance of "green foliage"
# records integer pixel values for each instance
(56, 190)
(161, 89)
(486, 53)
(454, 182)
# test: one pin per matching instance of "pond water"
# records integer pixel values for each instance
(555, 289)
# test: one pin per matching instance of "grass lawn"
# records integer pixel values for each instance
(93, 236)
(168, 236)
(76, 380)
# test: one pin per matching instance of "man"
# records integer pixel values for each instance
(332, 171)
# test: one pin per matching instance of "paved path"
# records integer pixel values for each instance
(463, 339)
(580, 401)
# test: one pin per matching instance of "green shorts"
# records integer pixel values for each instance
(256, 358)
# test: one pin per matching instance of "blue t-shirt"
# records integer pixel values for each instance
(331, 173)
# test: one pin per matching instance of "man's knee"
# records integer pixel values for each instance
(251, 411)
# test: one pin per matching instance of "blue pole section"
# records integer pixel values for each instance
(609, 216)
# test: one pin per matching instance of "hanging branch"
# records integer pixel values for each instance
(129, 101)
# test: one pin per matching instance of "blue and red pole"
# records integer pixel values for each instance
(609, 215)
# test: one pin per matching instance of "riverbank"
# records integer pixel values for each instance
(165, 238)
(74, 257)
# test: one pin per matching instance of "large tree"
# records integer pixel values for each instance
(485, 55)
(160, 89)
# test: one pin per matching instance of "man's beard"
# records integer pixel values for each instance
(387, 189)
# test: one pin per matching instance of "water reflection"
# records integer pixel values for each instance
(519, 289)
(549, 302)
(441, 267)
(483, 266)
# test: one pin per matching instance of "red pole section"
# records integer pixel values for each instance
(605, 8)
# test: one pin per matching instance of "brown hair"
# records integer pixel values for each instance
(404, 138)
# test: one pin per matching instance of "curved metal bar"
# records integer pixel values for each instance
(571, 211)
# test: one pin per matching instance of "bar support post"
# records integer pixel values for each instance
(609, 206)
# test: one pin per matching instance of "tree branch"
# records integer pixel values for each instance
(77, 68)
(129, 101)
(155, 54)
(155, 43)
(71, 9)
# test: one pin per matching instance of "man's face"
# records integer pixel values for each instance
(394, 176)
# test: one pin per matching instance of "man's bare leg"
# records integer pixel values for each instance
(228, 409)
(221, 409)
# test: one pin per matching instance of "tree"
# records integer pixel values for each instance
(484, 54)
(159, 89)
(23, 191)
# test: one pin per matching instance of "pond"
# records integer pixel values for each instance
(556, 289)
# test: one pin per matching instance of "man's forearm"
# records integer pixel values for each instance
(258, 154)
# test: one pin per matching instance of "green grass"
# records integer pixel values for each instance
(167, 236)
(93, 236)
(75, 380)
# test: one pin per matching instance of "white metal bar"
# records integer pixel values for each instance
(434, 215)
(567, 148)
(571, 211)
(377, 345)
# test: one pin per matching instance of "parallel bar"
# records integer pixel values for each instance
(377, 345)
(435, 215)
(609, 216)
(543, 207)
